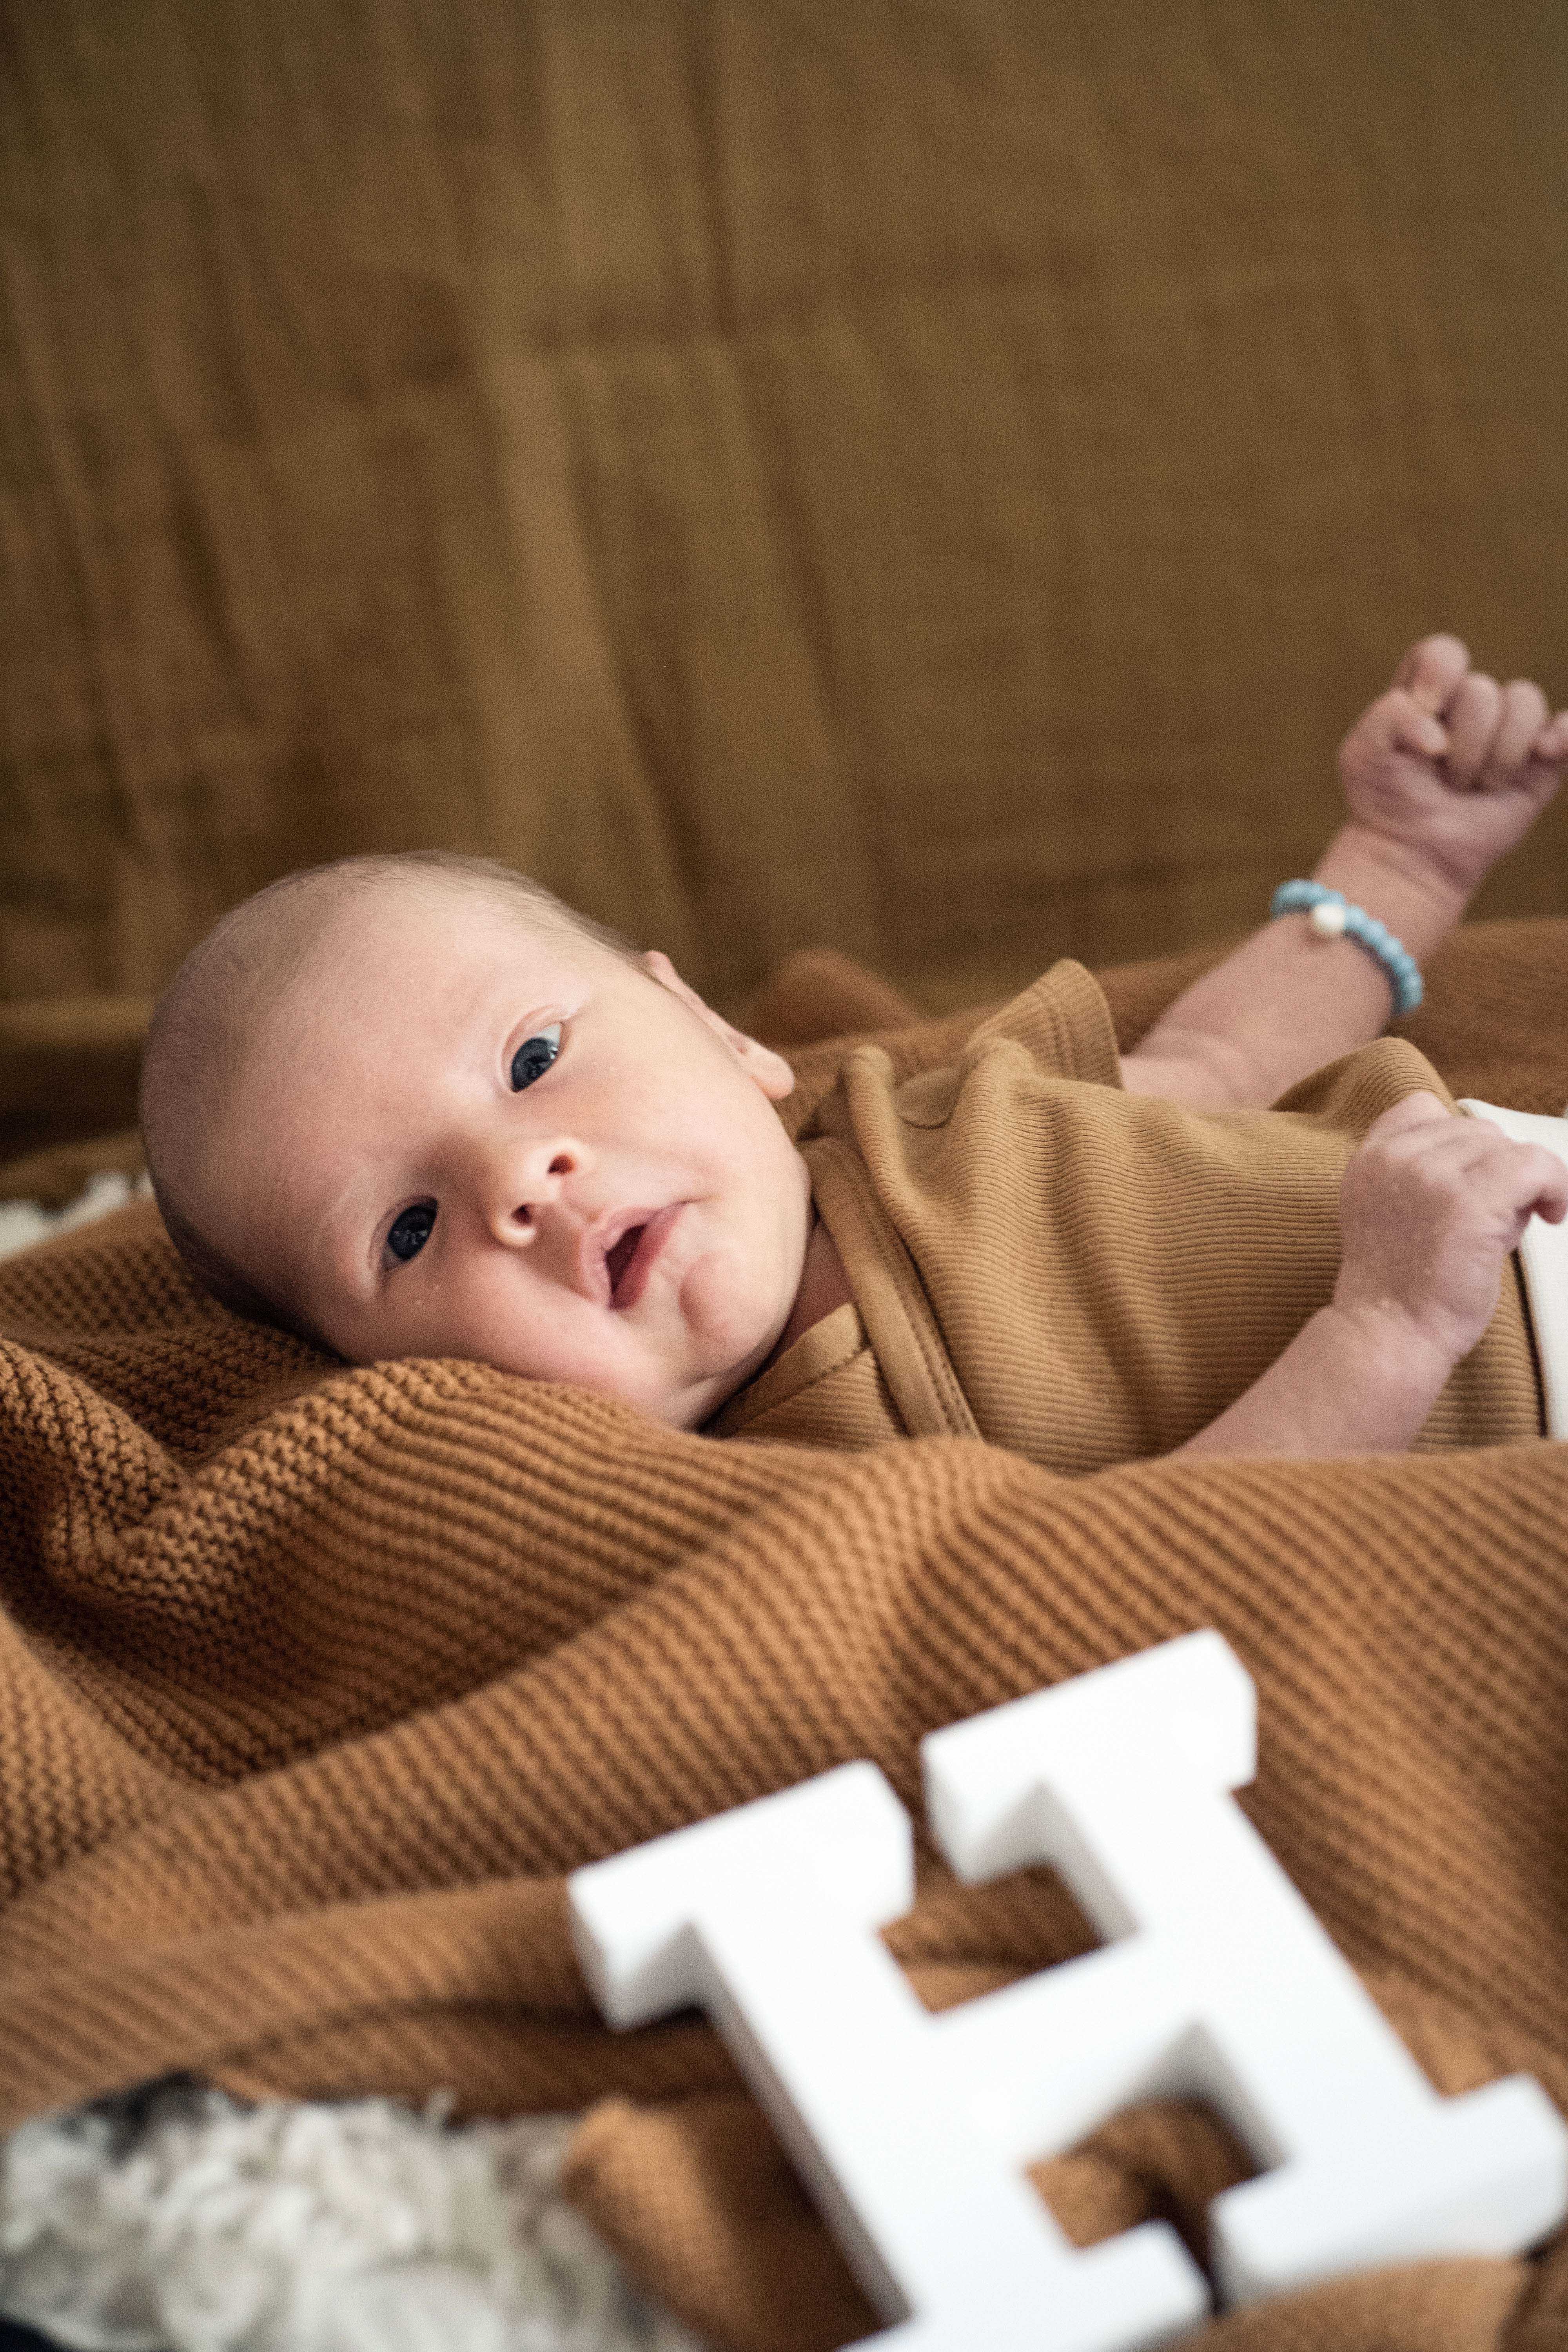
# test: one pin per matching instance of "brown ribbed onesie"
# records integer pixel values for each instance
(1086, 1275)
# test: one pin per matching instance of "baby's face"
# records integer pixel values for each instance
(462, 1136)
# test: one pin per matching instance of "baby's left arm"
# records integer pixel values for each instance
(1442, 775)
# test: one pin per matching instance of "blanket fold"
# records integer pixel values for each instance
(314, 1682)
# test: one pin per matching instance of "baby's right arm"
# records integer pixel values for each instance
(1431, 1206)
(1443, 774)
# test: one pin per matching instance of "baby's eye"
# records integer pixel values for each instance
(535, 1055)
(411, 1229)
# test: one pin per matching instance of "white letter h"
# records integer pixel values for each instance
(914, 2129)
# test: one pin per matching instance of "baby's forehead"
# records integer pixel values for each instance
(400, 980)
(400, 928)
(381, 980)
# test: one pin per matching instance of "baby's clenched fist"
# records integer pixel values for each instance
(1449, 765)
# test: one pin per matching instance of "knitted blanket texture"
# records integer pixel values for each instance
(315, 1681)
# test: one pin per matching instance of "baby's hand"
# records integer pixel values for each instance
(1431, 1206)
(1449, 764)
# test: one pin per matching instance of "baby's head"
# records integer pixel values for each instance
(415, 1107)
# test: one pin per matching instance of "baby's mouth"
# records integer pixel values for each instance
(618, 1259)
(630, 1260)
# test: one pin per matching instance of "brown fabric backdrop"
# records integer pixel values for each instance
(932, 479)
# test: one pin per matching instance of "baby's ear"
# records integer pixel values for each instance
(762, 1065)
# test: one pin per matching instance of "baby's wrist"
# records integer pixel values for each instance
(1418, 899)
(1392, 1354)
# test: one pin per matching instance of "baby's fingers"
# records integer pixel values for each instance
(1473, 717)
(1550, 1182)
(1540, 1185)
(1522, 1179)
(1432, 671)
(1522, 715)
(1410, 727)
(1550, 746)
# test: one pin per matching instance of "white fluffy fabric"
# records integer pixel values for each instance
(22, 1222)
(182, 2222)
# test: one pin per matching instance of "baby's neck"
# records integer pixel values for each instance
(823, 1287)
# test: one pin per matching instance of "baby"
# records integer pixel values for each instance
(415, 1107)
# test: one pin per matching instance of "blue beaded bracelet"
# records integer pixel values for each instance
(1331, 915)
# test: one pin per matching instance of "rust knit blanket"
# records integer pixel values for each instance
(314, 1682)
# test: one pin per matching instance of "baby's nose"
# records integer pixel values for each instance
(523, 1187)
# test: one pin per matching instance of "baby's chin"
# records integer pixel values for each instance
(733, 1316)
